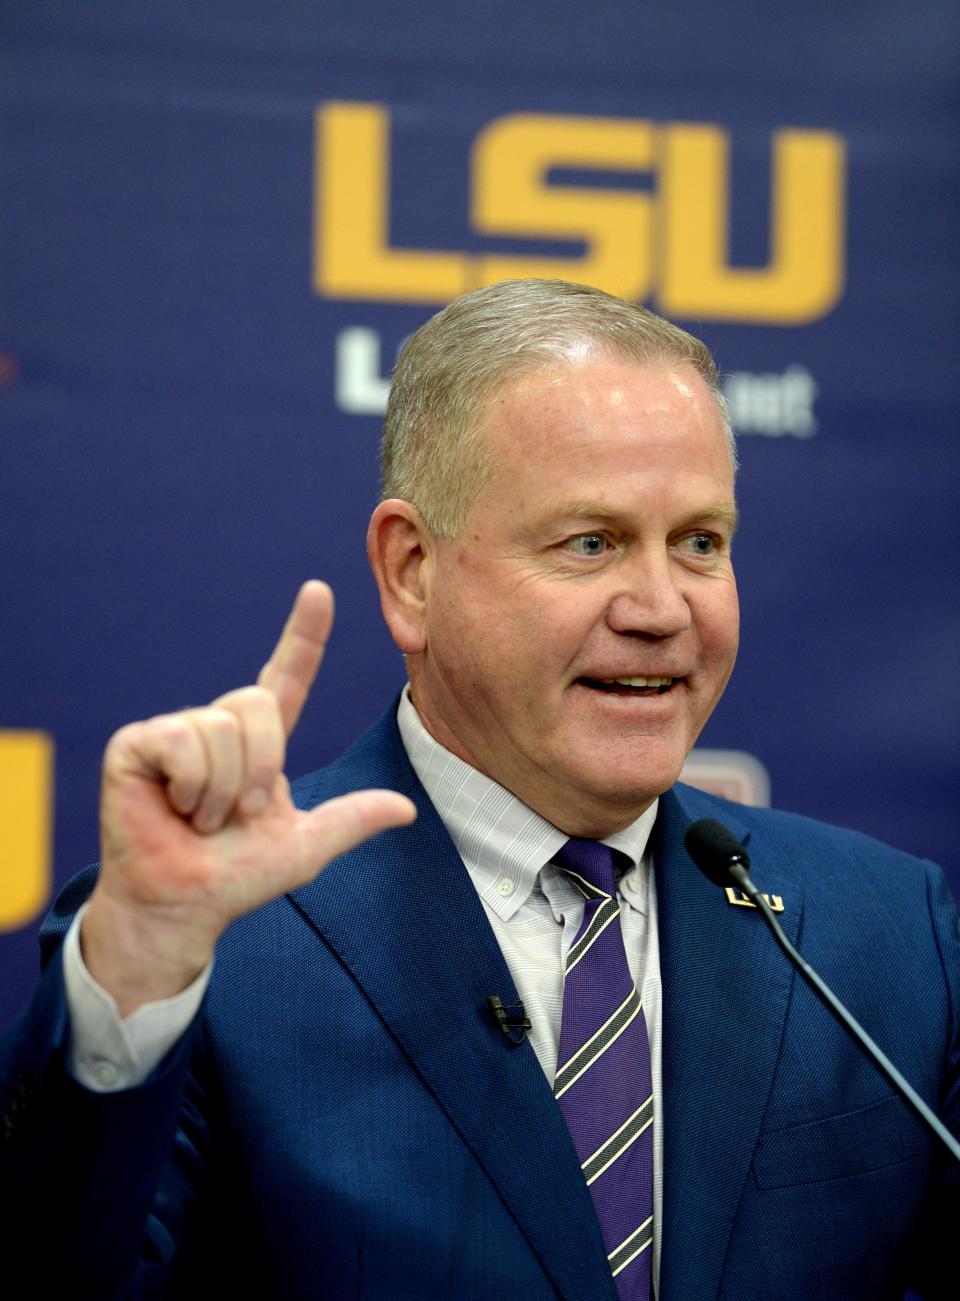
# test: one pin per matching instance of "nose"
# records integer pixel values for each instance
(650, 600)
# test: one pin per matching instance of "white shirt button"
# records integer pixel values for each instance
(631, 883)
(505, 886)
(104, 1072)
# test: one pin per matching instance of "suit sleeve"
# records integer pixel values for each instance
(80, 1170)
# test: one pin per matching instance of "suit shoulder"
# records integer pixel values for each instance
(376, 759)
(792, 837)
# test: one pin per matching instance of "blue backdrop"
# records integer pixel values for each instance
(219, 222)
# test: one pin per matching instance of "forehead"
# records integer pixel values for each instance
(575, 410)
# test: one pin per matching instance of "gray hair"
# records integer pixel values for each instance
(431, 454)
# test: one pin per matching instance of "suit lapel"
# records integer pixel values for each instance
(404, 917)
(726, 988)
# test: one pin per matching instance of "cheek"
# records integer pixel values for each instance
(719, 623)
(458, 598)
(470, 636)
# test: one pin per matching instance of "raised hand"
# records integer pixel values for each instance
(197, 825)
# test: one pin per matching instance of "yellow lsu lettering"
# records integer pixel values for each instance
(26, 788)
(671, 245)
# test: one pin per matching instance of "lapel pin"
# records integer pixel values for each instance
(740, 900)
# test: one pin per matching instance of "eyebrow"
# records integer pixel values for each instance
(726, 512)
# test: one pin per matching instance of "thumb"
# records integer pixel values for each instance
(340, 824)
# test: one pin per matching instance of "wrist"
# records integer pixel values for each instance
(142, 955)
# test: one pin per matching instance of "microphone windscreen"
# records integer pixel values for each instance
(714, 848)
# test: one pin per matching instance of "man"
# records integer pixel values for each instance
(334, 1110)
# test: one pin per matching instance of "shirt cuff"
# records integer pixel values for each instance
(108, 1054)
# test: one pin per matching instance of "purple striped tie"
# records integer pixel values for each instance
(603, 1081)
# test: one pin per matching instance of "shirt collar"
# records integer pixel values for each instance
(502, 842)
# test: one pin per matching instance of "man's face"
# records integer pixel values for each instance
(584, 624)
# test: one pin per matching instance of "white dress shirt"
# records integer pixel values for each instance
(532, 908)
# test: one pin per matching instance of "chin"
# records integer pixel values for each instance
(632, 778)
(627, 798)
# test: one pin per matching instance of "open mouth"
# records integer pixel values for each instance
(632, 686)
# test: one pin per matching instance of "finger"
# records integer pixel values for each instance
(219, 731)
(263, 741)
(291, 669)
(166, 749)
(340, 824)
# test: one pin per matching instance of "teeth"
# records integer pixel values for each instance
(642, 682)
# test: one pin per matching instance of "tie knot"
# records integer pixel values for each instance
(594, 861)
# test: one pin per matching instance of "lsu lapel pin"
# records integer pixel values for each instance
(740, 900)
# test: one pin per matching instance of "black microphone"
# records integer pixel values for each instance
(511, 1018)
(721, 858)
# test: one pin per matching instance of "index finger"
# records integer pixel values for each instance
(291, 669)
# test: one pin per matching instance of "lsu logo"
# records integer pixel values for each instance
(669, 245)
(26, 788)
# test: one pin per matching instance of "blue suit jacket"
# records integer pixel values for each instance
(344, 1119)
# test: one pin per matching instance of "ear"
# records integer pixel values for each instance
(400, 551)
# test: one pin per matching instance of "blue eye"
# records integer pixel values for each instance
(703, 544)
(587, 544)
